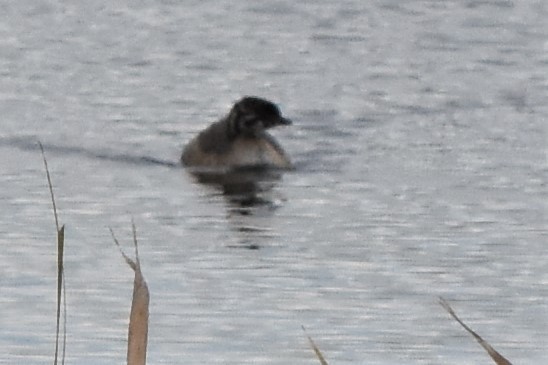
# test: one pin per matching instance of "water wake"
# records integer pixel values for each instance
(31, 144)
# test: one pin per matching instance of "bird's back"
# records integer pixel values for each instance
(213, 149)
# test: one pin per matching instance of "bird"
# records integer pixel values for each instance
(240, 139)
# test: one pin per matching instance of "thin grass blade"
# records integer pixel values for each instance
(319, 354)
(60, 268)
(497, 357)
(60, 286)
(50, 185)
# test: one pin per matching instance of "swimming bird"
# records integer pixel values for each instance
(240, 139)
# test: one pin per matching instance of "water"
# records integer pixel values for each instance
(420, 144)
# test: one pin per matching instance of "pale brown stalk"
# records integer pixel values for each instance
(498, 358)
(138, 319)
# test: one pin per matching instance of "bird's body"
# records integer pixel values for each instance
(240, 139)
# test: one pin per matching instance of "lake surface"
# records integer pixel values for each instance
(420, 143)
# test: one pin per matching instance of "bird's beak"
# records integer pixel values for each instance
(285, 121)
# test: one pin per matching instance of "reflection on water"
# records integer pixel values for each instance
(250, 202)
(244, 188)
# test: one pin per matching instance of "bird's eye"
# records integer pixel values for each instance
(250, 121)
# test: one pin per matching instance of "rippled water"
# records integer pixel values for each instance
(420, 144)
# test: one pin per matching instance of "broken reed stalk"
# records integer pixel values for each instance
(138, 319)
(60, 269)
(315, 348)
(498, 358)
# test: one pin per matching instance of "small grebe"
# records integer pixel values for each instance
(240, 139)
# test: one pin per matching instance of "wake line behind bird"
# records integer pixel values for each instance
(29, 144)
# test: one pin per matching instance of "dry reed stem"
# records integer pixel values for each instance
(60, 269)
(138, 319)
(498, 358)
(315, 348)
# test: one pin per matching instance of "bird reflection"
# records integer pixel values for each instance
(250, 201)
(244, 187)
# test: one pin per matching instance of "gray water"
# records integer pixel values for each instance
(420, 144)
